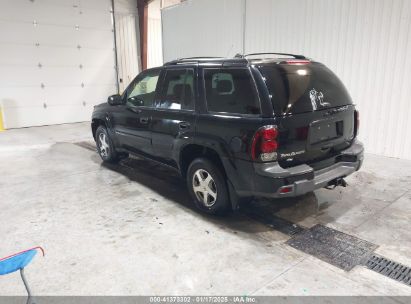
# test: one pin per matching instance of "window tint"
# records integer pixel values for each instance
(142, 91)
(178, 90)
(230, 91)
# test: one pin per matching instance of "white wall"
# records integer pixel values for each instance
(202, 28)
(367, 43)
(56, 60)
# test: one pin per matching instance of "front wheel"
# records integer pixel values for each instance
(207, 187)
(105, 146)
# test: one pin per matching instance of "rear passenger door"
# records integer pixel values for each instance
(173, 123)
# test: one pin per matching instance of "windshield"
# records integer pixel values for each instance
(303, 88)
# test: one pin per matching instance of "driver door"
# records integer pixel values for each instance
(132, 123)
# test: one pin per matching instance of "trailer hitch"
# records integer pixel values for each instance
(335, 183)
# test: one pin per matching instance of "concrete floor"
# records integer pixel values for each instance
(131, 229)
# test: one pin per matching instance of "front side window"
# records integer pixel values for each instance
(178, 90)
(142, 91)
(231, 90)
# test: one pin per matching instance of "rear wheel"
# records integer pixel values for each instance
(207, 187)
(105, 146)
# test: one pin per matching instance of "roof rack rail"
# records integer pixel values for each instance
(194, 59)
(282, 54)
(200, 57)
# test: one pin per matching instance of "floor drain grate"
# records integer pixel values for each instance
(332, 246)
(389, 268)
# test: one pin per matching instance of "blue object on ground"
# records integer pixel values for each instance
(16, 262)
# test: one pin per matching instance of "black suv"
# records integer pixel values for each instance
(236, 128)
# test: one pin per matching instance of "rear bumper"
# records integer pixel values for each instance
(270, 179)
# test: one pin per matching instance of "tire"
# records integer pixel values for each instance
(105, 147)
(207, 187)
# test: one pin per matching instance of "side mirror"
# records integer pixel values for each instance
(114, 100)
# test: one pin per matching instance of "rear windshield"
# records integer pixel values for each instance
(303, 88)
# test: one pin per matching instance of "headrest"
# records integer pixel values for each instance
(224, 86)
(179, 88)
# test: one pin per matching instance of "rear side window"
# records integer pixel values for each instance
(297, 89)
(178, 90)
(231, 90)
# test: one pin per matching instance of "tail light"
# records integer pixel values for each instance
(264, 145)
(356, 122)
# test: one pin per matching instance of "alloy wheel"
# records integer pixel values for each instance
(104, 146)
(204, 187)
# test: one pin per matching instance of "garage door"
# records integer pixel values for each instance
(57, 60)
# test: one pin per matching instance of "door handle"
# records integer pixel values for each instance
(184, 125)
(144, 120)
(135, 110)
